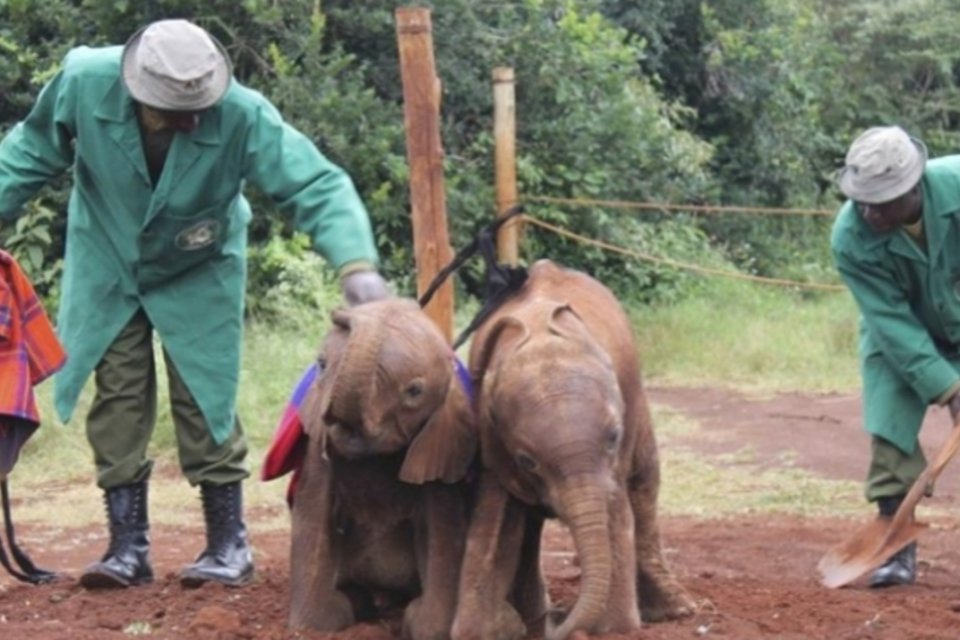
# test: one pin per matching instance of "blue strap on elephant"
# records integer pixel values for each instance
(463, 375)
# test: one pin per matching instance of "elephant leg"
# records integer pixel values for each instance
(490, 562)
(623, 612)
(440, 539)
(315, 602)
(661, 595)
(529, 595)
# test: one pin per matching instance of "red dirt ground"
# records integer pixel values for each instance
(752, 577)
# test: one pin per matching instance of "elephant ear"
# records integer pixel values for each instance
(447, 445)
(507, 334)
(564, 321)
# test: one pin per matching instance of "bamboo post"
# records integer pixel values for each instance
(421, 116)
(505, 161)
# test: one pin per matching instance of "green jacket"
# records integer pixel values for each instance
(178, 251)
(909, 299)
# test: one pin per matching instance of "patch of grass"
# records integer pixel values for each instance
(752, 337)
(737, 484)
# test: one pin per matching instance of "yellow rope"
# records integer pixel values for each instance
(658, 206)
(679, 265)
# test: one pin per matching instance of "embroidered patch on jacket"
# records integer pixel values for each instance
(199, 235)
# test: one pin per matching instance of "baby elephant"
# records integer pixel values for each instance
(564, 431)
(377, 513)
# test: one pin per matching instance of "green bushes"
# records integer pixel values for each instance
(747, 102)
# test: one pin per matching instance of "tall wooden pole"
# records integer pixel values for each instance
(421, 116)
(505, 161)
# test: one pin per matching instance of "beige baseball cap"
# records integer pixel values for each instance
(883, 163)
(175, 65)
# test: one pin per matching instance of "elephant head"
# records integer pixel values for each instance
(387, 384)
(386, 410)
(552, 428)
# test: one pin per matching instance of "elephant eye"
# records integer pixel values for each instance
(321, 364)
(613, 440)
(415, 390)
(525, 461)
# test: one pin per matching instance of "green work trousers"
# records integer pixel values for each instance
(892, 472)
(124, 412)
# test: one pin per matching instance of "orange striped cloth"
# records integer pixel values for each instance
(29, 349)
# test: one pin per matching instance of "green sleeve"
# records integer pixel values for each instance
(288, 167)
(895, 328)
(37, 149)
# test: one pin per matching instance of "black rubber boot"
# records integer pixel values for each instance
(227, 558)
(127, 560)
(901, 567)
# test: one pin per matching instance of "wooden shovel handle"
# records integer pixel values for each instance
(944, 455)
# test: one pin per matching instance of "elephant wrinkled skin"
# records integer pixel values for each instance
(380, 508)
(564, 430)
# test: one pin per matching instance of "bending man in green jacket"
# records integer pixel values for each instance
(895, 244)
(162, 141)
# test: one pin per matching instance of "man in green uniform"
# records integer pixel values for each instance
(162, 141)
(894, 242)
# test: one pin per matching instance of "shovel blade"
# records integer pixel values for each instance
(866, 550)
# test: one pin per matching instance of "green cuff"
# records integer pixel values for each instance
(944, 397)
(933, 380)
(355, 266)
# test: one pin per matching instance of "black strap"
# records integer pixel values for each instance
(500, 281)
(28, 571)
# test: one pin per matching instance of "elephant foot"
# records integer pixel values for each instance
(627, 621)
(667, 605)
(421, 621)
(362, 603)
(494, 623)
(532, 606)
(332, 612)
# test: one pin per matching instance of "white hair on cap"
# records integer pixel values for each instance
(175, 65)
(883, 163)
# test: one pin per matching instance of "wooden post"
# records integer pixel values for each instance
(421, 116)
(505, 161)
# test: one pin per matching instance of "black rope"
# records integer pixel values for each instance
(28, 571)
(500, 280)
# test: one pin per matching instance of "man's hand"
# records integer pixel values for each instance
(954, 405)
(364, 286)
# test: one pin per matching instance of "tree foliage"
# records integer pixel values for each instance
(748, 102)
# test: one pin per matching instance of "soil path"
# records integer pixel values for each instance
(753, 577)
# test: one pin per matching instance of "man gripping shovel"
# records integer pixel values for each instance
(29, 353)
(896, 243)
(886, 537)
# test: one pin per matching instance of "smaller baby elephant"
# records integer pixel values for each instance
(564, 431)
(379, 508)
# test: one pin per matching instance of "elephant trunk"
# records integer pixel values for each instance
(585, 508)
(354, 380)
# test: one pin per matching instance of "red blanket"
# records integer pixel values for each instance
(29, 349)
(29, 353)
(289, 442)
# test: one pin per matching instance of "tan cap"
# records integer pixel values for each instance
(883, 163)
(175, 65)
